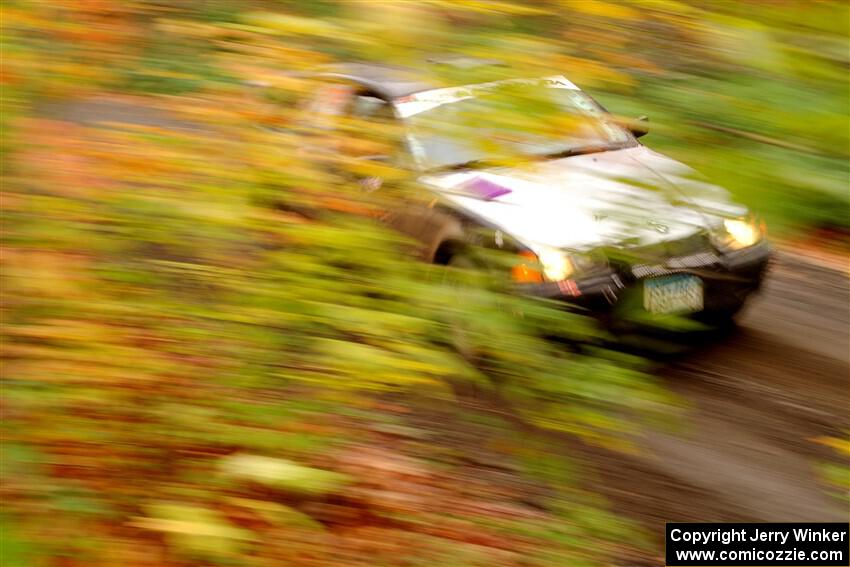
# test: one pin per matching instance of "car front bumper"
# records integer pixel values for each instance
(728, 279)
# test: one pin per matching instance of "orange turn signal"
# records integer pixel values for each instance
(526, 271)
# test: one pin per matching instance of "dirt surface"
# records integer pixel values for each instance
(757, 399)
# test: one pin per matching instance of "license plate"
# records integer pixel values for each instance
(674, 294)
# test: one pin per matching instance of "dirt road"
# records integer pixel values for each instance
(757, 400)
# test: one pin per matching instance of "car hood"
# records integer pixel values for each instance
(629, 197)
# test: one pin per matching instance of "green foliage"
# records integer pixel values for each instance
(836, 475)
(196, 531)
(281, 474)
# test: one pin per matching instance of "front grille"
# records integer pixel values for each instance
(676, 264)
(660, 251)
(663, 258)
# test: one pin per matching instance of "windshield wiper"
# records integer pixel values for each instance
(471, 164)
(589, 149)
(485, 163)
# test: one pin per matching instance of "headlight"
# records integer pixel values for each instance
(557, 265)
(742, 233)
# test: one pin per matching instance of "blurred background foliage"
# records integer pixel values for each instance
(213, 354)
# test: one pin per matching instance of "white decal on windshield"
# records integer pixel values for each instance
(420, 102)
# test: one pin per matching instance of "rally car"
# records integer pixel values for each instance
(593, 216)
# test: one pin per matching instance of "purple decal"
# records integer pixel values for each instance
(484, 189)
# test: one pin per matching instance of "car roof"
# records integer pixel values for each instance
(388, 82)
(393, 82)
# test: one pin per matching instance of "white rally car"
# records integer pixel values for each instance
(594, 217)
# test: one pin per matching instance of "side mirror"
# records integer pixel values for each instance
(638, 126)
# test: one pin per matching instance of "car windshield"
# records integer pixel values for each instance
(456, 128)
